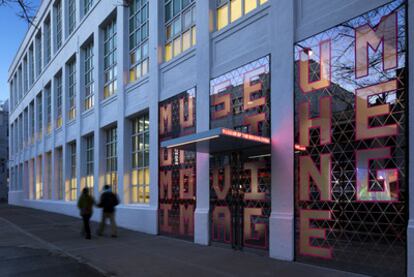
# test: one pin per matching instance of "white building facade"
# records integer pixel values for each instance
(275, 125)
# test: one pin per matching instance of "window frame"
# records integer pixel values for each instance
(71, 66)
(110, 68)
(111, 158)
(88, 80)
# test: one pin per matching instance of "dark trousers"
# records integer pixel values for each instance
(86, 227)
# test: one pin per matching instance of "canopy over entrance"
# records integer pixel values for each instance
(220, 140)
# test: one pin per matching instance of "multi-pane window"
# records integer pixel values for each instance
(72, 90)
(229, 11)
(25, 75)
(48, 95)
(32, 122)
(59, 100)
(39, 182)
(111, 177)
(140, 160)
(59, 172)
(39, 116)
(138, 39)
(88, 78)
(72, 190)
(180, 29)
(87, 5)
(31, 65)
(26, 127)
(20, 83)
(89, 162)
(47, 41)
(71, 15)
(58, 24)
(110, 59)
(38, 45)
(48, 175)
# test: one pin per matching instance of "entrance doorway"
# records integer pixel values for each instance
(240, 200)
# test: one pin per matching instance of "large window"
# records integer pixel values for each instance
(48, 95)
(25, 75)
(72, 90)
(180, 29)
(110, 59)
(88, 77)
(39, 116)
(38, 47)
(71, 16)
(138, 39)
(71, 193)
(47, 41)
(89, 178)
(140, 160)
(39, 181)
(59, 100)
(58, 24)
(48, 176)
(351, 104)
(111, 177)
(26, 127)
(87, 5)
(32, 121)
(59, 173)
(31, 65)
(229, 11)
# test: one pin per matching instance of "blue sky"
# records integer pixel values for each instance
(12, 32)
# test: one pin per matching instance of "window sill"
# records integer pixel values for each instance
(110, 99)
(131, 86)
(178, 59)
(88, 112)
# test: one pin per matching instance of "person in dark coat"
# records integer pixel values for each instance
(85, 205)
(108, 202)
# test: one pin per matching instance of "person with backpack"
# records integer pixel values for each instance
(85, 205)
(107, 202)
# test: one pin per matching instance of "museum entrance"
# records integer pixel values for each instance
(240, 200)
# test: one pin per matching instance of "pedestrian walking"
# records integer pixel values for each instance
(85, 205)
(108, 202)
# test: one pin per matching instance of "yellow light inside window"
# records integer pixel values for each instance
(235, 10)
(147, 177)
(194, 35)
(186, 40)
(177, 46)
(262, 2)
(249, 5)
(168, 52)
(132, 75)
(222, 17)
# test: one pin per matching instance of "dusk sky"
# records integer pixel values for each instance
(12, 32)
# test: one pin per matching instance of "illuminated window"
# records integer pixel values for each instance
(39, 183)
(229, 11)
(48, 96)
(39, 116)
(88, 77)
(58, 24)
(59, 100)
(180, 29)
(71, 15)
(140, 160)
(138, 39)
(89, 179)
(59, 172)
(111, 177)
(72, 90)
(110, 67)
(73, 185)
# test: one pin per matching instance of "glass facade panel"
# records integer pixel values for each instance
(350, 149)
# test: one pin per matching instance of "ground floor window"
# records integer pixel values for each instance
(111, 156)
(89, 178)
(72, 186)
(39, 179)
(59, 172)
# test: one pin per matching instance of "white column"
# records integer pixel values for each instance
(281, 227)
(203, 55)
(410, 229)
(155, 58)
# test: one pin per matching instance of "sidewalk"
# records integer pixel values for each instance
(133, 253)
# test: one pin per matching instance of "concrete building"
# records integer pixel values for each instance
(4, 150)
(274, 126)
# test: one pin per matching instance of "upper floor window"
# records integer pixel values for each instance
(25, 75)
(140, 160)
(180, 27)
(48, 94)
(71, 16)
(88, 78)
(47, 41)
(110, 59)
(59, 100)
(87, 5)
(58, 24)
(38, 46)
(31, 65)
(32, 121)
(72, 90)
(111, 177)
(229, 11)
(39, 116)
(138, 39)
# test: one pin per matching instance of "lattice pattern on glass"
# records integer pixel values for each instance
(180, 27)
(72, 90)
(71, 193)
(138, 39)
(59, 100)
(89, 178)
(110, 59)
(111, 176)
(58, 24)
(88, 77)
(140, 160)
(229, 11)
(71, 16)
